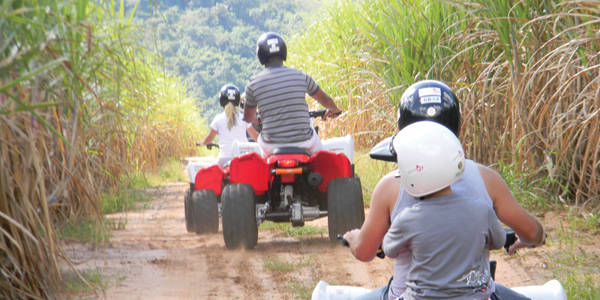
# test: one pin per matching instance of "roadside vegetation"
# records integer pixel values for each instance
(527, 76)
(82, 106)
(88, 113)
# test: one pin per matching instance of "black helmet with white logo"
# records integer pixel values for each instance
(229, 93)
(270, 44)
(429, 100)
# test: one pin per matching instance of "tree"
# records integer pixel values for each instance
(213, 42)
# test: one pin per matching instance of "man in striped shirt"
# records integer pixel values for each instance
(280, 93)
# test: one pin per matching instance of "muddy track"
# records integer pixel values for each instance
(154, 257)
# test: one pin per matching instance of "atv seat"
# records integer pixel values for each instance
(289, 150)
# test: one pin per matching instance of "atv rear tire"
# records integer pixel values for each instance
(345, 206)
(205, 212)
(188, 208)
(239, 216)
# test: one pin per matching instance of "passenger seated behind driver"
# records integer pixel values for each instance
(228, 125)
(279, 93)
(446, 235)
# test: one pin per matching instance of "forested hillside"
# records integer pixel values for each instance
(212, 43)
(83, 107)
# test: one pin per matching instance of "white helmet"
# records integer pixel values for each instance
(430, 158)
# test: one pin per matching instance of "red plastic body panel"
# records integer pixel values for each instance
(255, 171)
(210, 178)
(250, 169)
(330, 165)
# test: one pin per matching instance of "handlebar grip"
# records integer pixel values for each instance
(345, 243)
(321, 113)
(337, 113)
(511, 238)
(208, 146)
(317, 113)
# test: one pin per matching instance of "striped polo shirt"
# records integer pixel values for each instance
(279, 93)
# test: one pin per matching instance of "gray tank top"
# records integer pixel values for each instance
(471, 185)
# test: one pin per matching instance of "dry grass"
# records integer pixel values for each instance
(80, 105)
(527, 74)
(540, 108)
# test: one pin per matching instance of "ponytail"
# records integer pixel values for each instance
(231, 114)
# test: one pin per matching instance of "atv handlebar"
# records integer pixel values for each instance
(209, 146)
(511, 238)
(345, 243)
(321, 113)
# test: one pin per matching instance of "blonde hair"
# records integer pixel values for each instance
(231, 114)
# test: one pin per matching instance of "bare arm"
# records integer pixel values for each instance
(364, 242)
(252, 132)
(327, 102)
(249, 114)
(529, 230)
(209, 138)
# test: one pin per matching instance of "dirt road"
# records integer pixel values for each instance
(155, 258)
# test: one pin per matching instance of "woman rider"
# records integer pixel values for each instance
(228, 125)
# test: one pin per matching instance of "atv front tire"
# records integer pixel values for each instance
(205, 212)
(345, 206)
(188, 208)
(239, 216)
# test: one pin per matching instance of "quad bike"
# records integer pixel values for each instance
(551, 290)
(202, 201)
(288, 186)
(201, 204)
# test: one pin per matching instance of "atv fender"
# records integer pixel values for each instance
(250, 169)
(341, 145)
(194, 166)
(209, 178)
(331, 166)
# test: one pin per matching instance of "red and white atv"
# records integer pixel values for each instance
(551, 290)
(288, 186)
(202, 202)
